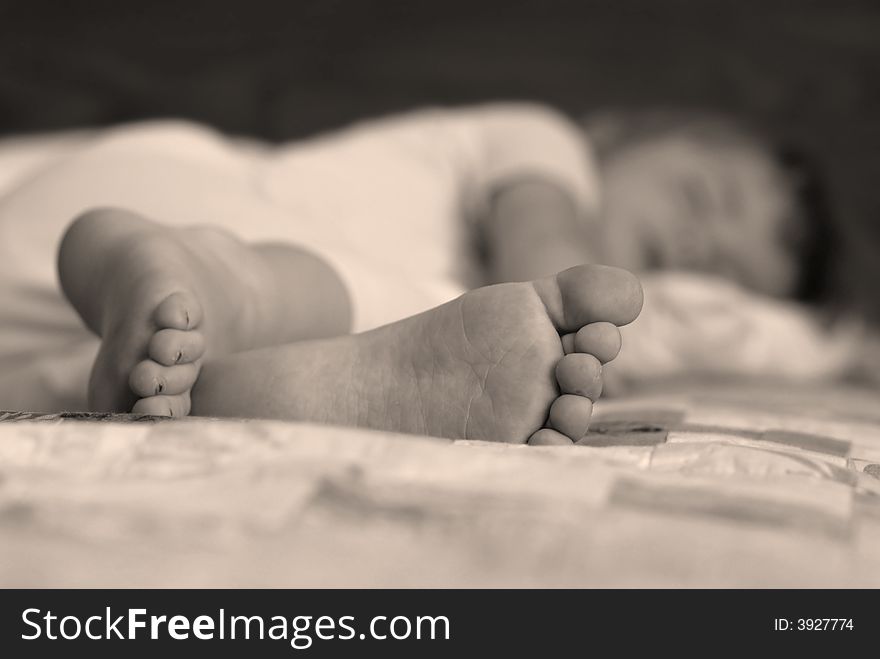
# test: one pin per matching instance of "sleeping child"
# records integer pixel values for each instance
(457, 273)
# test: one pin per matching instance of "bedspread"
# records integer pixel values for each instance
(684, 485)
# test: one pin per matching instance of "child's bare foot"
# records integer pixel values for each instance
(162, 298)
(145, 289)
(489, 365)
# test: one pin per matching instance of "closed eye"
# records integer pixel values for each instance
(652, 256)
(697, 197)
(732, 198)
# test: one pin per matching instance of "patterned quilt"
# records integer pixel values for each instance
(696, 484)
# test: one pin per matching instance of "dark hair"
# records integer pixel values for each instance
(815, 254)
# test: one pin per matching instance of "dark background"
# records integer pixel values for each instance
(807, 70)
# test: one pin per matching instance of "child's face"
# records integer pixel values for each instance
(676, 204)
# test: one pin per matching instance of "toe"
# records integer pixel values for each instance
(151, 379)
(590, 293)
(570, 415)
(549, 437)
(568, 343)
(180, 311)
(172, 346)
(176, 406)
(580, 374)
(602, 340)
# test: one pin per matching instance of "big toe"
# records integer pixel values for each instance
(180, 311)
(589, 294)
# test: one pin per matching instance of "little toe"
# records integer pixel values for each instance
(175, 406)
(602, 340)
(172, 346)
(580, 374)
(568, 343)
(570, 415)
(549, 437)
(151, 379)
(180, 311)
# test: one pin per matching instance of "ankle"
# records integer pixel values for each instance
(305, 296)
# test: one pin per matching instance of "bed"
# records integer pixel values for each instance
(695, 484)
